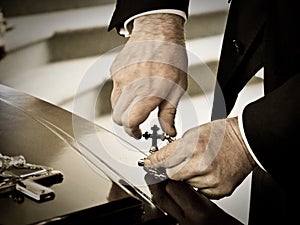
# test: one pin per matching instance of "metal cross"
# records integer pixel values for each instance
(154, 136)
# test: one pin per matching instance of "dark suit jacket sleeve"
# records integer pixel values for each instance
(128, 8)
(271, 126)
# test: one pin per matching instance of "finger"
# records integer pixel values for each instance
(189, 169)
(116, 90)
(168, 156)
(211, 186)
(138, 99)
(138, 111)
(158, 158)
(134, 132)
(166, 115)
(167, 109)
(122, 101)
(178, 172)
(203, 181)
(205, 185)
(212, 193)
(115, 94)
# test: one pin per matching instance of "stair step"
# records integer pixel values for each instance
(57, 36)
(65, 76)
(14, 8)
(78, 43)
(30, 29)
(58, 46)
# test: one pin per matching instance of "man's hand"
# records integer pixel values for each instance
(212, 157)
(150, 72)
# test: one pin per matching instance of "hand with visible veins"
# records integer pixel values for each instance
(211, 157)
(150, 72)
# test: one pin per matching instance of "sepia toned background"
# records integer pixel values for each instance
(51, 44)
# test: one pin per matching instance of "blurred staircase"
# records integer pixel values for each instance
(53, 43)
(15, 8)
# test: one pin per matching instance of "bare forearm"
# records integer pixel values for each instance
(159, 27)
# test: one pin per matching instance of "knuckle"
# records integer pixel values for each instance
(116, 118)
(210, 193)
(132, 121)
(226, 190)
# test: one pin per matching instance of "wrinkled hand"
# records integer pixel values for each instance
(186, 205)
(150, 72)
(212, 157)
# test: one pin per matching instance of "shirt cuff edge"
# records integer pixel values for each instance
(242, 131)
(126, 32)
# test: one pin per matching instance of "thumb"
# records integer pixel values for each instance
(166, 115)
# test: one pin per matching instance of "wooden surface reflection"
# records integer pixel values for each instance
(186, 205)
(83, 193)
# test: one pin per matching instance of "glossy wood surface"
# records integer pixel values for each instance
(22, 133)
(45, 134)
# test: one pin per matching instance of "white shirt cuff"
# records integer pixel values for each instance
(125, 30)
(241, 127)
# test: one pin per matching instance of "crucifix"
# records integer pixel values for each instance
(157, 173)
(154, 136)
